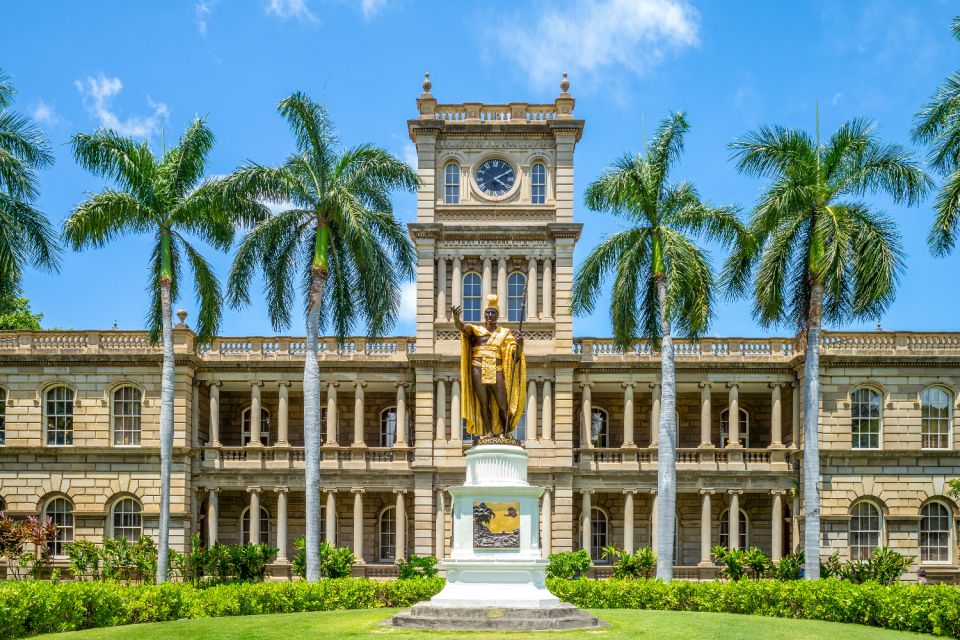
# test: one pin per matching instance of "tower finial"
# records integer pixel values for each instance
(427, 85)
(564, 84)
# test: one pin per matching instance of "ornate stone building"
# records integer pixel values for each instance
(79, 410)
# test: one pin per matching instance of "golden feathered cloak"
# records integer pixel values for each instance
(514, 378)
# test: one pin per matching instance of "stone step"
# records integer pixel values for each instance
(488, 613)
(560, 618)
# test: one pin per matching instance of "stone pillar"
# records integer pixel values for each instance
(333, 430)
(401, 525)
(734, 515)
(776, 417)
(441, 410)
(401, 440)
(358, 416)
(441, 533)
(281, 523)
(486, 283)
(358, 524)
(733, 416)
(254, 515)
(456, 422)
(795, 524)
(776, 526)
(706, 437)
(255, 414)
(546, 523)
(795, 415)
(628, 519)
(654, 519)
(532, 288)
(214, 435)
(441, 289)
(457, 285)
(706, 527)
(194, 415)
(655, 416)
(585, 526)
(283, 414)
(531, 417)
(547, 413)
(586, 435)
(547, 311)
(628, 423)
(213, 508)
(502, 286)
(331, 517)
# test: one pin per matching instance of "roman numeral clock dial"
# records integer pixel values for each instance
(495, 178)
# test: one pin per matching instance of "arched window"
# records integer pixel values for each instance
(264, 426)
(59, 412)
(387, 535)
(935, 532)
(935, 411)
(472, 292)
(866, 418)
(388, 427)
(516, 293)
(264, 526)
(743, 535)
(126, 416)
(744, 427)
(866, 525)
(60, 511)
(451, 184)
(599, 532)
(538, 183)
(599, 427)
(3, 416)
(127, 520)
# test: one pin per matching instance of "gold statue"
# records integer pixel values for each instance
(493, 374)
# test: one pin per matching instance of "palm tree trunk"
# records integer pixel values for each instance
(166, 428)
(666, 454)
(311, 425)
(811, 436)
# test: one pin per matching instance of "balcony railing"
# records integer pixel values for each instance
(701, 459)
(279, 457)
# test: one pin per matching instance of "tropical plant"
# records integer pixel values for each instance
(819, 252)
(790, 567)
(335, 562)
(938, 125)
(26, 236)
(757, 562)
(84, 559)
(417, 567)
(734, 562)
(569, 565)
(337, 229)
(641, 563)
(15, 313)
(662, 279)
(162, 196)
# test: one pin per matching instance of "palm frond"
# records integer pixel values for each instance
(7, 91)
(155, 314)
(776, 268)
(26, 237)
(621, 188)
(633, 271)
(23, 150)
(946, 225)
(207, 291)
(600, 262)
(666, 148)
(877, 259)
(689, 285)
(104, 217)
(773, 151)
(183, 166)
(213, 212)
(311, 126)
(129, 164)
(889, 169)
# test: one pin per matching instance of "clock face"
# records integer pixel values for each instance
(495, 177)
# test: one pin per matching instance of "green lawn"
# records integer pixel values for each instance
(344, 625)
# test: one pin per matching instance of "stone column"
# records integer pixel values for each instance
(706, 527)
(585, 526)
(586, 416)
(547, 413)
(213, 507)
(628, 420)
(456, 422)
(733, 416)
(795, 415)
(776, 417)
(547, 311)
(283, 414)
(440, 535)
(194, 415)
(255, 414)
(546, 523)
(628, 519)
(655, 416)
(486, 283)
(734, 515)
(795, 523)
(531, 417)
(254, 515)
(214, 435)
(441, 410)
(331, 517)
(706, 436)
(333, 424)
(358, 524)
(457, 285)
(776, 526)
(401, 440)
(441, 289)
(401, 525)
(532, 288)
(358, 416)
(502, 286)
(281, 523)
(654, 519)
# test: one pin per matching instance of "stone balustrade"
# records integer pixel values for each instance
(286, 457)
(644, 459)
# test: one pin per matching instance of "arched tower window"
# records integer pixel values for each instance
(472, 292)
(451, 184)
(538, 183)
(516, 292)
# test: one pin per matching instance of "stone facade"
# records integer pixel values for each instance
(392, 439)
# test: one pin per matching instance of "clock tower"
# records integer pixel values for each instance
(495, 216)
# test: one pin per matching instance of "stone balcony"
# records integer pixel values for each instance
(280, 457)
(700, 459)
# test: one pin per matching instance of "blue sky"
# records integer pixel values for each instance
(732, 66)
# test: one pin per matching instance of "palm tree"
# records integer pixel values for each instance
(26, 236)
(338, 229)
(662, 279)
(938, 124)
(160, 196)
(820, 252)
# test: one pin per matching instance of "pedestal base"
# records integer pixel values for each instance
(496, 582)
(557, 618)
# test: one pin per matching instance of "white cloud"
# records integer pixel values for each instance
(588, 37)
(204, 9)
(290, 9)
(372, 8)
(98, 94)
(45, 114)
(837, 97)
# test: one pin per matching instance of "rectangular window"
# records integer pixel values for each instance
(451, 184)
(866, 417)
(538, 184)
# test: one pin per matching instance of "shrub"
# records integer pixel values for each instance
(734, 562)
(417, 567)
(757, 562)
(569, 565)
(639, 564)
(885, 566)
(335, 562)
(790, 567)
